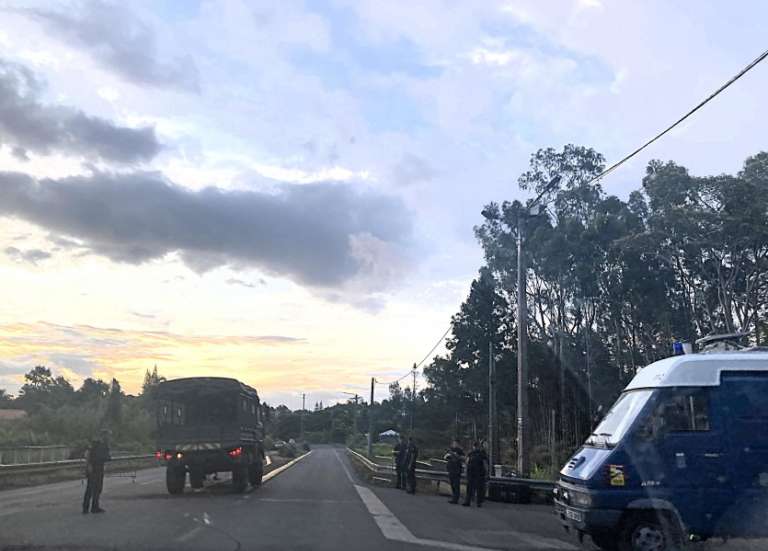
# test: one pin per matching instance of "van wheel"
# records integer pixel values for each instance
(650, 532)
(240, 478)
(175, 479)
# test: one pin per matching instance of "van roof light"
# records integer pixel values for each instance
(721, 343)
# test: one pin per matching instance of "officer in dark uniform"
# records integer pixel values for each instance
(398, 455)
(477, 470)
(95, 456)
(454, 458)
(411, 455)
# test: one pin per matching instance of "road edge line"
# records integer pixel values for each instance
(272, 474)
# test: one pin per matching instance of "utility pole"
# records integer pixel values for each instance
(370, 421)
(493, 441)
(301, 429)
(522, 356)
(354, 412)
(413, 398)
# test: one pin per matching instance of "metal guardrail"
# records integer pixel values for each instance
(28, 468)
(508, 482)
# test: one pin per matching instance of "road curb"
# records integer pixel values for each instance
(272, 474)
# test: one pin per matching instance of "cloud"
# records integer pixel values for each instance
(28, 125)
(77, 351)
(120, 42)
(236, 281)
(32, 256)
(143, 315)
(322, 235)
(412, 170)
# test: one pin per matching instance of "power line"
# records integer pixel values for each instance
(438, 343)
(709, 98)
(418, 365)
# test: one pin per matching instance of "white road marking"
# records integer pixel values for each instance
(343, 466)
(189, 535)
(272, 474)
(392, 529)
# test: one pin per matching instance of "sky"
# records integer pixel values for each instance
(285, 191)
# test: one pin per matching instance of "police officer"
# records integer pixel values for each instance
(454, 460)
(95, 456)
(477, 470)
(411, 455)
(398, 455)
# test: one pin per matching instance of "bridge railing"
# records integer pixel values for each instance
(506, 488)
(22, 473)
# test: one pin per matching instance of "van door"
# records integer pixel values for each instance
(691, 450)
(744, 401)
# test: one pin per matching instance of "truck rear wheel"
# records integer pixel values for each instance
(175, 477)
(255, 473)
(650, 531)
(240, 478)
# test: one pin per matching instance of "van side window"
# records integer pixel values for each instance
(683, 412)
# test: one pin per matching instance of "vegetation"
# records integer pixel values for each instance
(59, 414)
(611, 285)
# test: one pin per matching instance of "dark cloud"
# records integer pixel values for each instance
(27, 125)
(323, 235)
(121, 42)
(32, 256)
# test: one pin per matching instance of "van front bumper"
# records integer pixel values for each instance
(589, 521)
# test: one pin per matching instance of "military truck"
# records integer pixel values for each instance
(209, 425)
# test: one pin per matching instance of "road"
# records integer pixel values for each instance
(318, 503)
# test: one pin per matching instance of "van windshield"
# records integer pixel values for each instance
(615, 424)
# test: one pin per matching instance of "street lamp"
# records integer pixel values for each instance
(523, 457)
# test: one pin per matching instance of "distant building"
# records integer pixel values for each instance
(11, 414)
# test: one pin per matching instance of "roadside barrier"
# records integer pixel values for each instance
(507, 488)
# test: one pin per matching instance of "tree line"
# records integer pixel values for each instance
(56, 413)
(612, 283)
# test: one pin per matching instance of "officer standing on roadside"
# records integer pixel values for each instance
(398, 456)
(411, 455)
(454, 460)
(477, 470)
(95, 456)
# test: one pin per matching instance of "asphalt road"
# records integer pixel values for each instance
(318, 503)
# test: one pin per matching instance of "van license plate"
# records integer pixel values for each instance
(574, 515)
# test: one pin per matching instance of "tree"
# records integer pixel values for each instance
(43, 389)
(115, 405)
(92, 390)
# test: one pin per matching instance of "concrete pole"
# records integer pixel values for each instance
(370, 421)
(522, 357)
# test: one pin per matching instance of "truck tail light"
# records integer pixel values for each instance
(158, 454)
(168, 456)
(237, 452)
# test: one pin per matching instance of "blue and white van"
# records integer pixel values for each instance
(682, 455)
